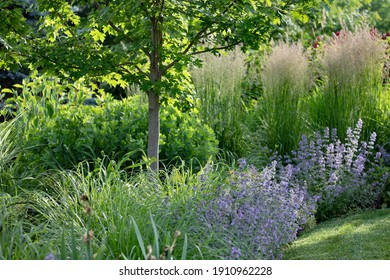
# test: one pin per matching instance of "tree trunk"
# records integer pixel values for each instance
(153, 129)
(153, 96)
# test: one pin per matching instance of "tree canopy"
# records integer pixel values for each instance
(148, 42)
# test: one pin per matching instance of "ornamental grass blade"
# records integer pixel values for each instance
(156, 245)
(139, 238)
(185, 246)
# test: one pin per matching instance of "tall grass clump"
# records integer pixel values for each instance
(218, 85)
(286, 80)
(7, 147)
(8, 154)
(102, 213)
(351, 65)
(20, 236)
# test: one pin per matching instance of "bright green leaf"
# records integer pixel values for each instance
(6, 90)
(97, 35)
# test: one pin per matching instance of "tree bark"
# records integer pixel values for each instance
(153, 129)
(153, 96)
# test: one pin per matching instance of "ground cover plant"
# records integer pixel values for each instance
(258, 212)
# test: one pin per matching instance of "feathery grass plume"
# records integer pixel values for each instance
(218, 85)
(286, 80)
(352, 64)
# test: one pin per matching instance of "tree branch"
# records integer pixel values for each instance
(216, 49)
(198, 36)
(128, 38)
(187, 49)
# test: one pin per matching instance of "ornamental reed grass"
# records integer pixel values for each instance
(218, 85)
(286, 80)
(351, 67)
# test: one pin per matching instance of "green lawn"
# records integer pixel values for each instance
(364, 236)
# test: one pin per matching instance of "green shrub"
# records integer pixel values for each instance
(73, 133)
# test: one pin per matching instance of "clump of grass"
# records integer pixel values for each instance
(98, 214)
(218, 85)
(352, 64)
(8, 153)
(286, 80)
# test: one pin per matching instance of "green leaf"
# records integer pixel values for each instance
(276, 21)
(97, 35)
(6, 90)
(34, 74)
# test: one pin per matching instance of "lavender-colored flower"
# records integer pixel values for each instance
(262, 207)
(235, 253)
(50, 256)
(242, 163)
(338, 167)
(333, 178)
(359, 165)
(334, 134)
(326, 134)
(371, 143)
(266, 208)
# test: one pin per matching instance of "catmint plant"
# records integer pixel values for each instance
(341, 174)
(260, 210)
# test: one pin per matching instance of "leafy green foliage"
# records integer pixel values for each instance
(84, 39)
(13, 29)
(71, 133)
(340, 14)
